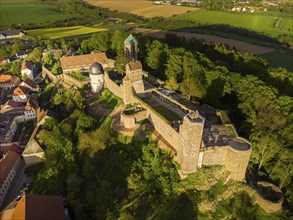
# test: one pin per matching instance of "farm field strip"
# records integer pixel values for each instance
(27, 12)
(239, 45)
(144, 8)
(256, 22)
(54, 33)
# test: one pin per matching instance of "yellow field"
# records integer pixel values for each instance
(143, 8)
(54, 33)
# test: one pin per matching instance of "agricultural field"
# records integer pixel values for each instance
(54, 33)
(143, 8)
(239, 45)
(257, 22)
(28, 12)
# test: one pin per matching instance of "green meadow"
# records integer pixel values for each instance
(54, 33)
(28, 12)
(259, 22)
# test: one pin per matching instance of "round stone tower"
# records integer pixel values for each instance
(97, 77)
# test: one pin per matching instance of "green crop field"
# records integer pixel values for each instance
(28, 12)
(260, 22)
(54, 33)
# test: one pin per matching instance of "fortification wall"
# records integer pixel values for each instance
(112, 86)
(214, 156)
(236, 162)
(129, 120)
(74, 82)
(164, 129)
(47, 74)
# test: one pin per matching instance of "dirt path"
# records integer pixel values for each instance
(239, 45)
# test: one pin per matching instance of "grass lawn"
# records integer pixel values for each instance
(108, 100)
(166, 113)
(28, 12)
(280, 58)
(77, 75)
(54, 33)
(256, 22)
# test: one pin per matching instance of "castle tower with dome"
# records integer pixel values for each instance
(97, 77)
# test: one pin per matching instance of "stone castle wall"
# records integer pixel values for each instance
(47, 74)
(112, 86)
(74, 82)
(129, 121)
(235, 161)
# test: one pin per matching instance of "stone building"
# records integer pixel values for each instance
(9, 164)
(131, 48)
(28, 69)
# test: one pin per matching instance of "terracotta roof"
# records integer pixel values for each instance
(135, 65)
(14, 104)
(36, 207)
(2, 58)
(13, 147)
(31, 83)
(26, 65)
(83, 60)
(31, 104)
(7, 78)
(6, 164)
(21, 90)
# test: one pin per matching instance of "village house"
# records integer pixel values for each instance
(27, 68)
(8, 81)
(23, 54)
(20, 94)
(11, 34)
(30, 84)
(8, 126)
(9, 164)
(36, 207)
(4, 59)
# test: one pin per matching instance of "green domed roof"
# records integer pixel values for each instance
(130, 40)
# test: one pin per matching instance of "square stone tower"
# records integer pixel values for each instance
(131, 48)
(190, 141)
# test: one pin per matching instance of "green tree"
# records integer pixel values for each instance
(192, 84)
(121, 61)
(94, 141)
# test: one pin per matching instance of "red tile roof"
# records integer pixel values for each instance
(7, 78)
(135, 65)
(13, 147)
(31, 83)
(6, 165)
(80, 61)
(31, 104)
(39, 207)
(26, 65)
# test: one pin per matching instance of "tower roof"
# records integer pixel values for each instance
(130, 40)
(96, 69)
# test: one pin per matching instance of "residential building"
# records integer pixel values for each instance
(27, 68)
(30, 84)
(8, 81)
(4, 59)
(8, 127)
(9, 164)
(10, 34)
(36, 207)
(20, 94)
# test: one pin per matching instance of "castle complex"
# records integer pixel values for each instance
(198, 138)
